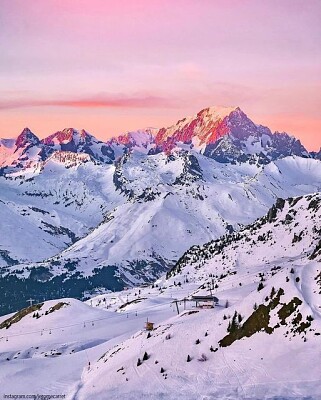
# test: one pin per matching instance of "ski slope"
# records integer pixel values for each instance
(273, 357)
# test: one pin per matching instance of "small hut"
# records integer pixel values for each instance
(149, 326)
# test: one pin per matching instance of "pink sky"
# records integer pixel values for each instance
(112, 66)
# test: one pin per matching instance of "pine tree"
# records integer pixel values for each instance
(272, 292)
(189, 358)
(234, 324)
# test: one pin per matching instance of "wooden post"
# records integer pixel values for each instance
(176, 302)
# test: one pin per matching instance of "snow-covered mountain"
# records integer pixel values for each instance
(19, 153)
(142, 140)
(80, 215)
(27, 151)
(226, 134)
(267, 280)
(262, 340)
(79, 142)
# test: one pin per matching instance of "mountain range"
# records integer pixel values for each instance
(107, 239)
(80, 215)
(225, 134)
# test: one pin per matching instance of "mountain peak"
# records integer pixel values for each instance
(140, 138)
(217, 112)
(206, 127)
(227, 134)
(67, 135)
(26, 137)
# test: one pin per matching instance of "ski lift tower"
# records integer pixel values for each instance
(30, 302)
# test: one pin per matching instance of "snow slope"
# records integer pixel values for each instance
(168, 202)
(280, 324)
(155, 200)
(57, 346)
(50, 206)
(272, 352)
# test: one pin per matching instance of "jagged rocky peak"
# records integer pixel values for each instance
(289, 145)
(206, 126)
(65, 136)
(210, 125)
(228, 135)
(218, 112)
(75, 141)
(26, 137)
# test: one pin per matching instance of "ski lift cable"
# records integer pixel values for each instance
(84, 322)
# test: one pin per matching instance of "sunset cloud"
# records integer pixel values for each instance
(101, 101)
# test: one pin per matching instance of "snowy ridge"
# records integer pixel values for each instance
(291, 225)
(141, 140)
